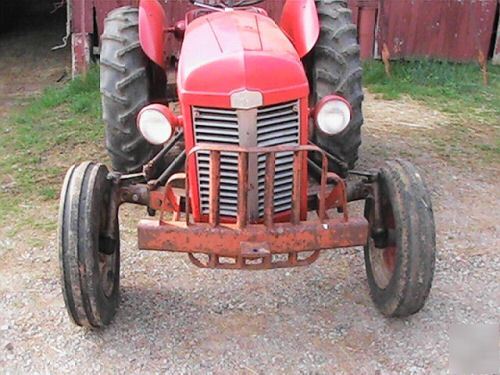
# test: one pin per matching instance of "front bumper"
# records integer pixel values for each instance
(265, 245)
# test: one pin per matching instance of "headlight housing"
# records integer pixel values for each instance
(156, 123)
(333, 114)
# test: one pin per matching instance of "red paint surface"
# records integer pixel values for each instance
(80, 43)
(227, 240)
(300, 22)
(447, 29)
(225, 53)
(366, 32)
(152, 26)
(175, 10)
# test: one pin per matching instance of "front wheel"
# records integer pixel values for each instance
(400, 255)
(89, 259)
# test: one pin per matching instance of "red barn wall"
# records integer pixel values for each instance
(446, 29)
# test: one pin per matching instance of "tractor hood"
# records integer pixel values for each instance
(227, 52)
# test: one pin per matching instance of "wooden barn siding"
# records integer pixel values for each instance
(174, 9)
(496, 53)
(83, 12)
(447, 29)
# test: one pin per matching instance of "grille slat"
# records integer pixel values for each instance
(276, 125)
(217, 117)
(222, 200)
(274, 128)
(290, 141)
(277, 107)
(283, 133)
(225, 160)
(270, 115)
(225, 193)
(204, 111)
(275, 120)
(201, 131)
(279, 161)
(216, 139)
(280, 171)
(231, 127)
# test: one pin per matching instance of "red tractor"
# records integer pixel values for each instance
(252, 169)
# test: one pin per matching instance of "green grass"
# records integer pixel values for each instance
(50, 126)
(448, 87)
(39, 142)
(455, 89)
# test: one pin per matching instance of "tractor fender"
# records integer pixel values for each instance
(152, 28)
(300, 22)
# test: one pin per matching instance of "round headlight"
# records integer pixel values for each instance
(333, 115)
(154, 125)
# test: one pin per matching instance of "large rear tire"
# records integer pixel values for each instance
(89, 260)
(335, 68)
(400, 260)
(125, 89)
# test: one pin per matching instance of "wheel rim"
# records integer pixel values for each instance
(107, 261)
(107, 272)
(383, 259)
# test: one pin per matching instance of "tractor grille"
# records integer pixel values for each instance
(275, 125)
(218, 126)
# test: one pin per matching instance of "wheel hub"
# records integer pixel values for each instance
(383, 248)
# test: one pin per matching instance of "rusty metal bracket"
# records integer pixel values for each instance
(254, 260)
(338, 196)
(171, 198)
(247, 244)
(149, 168)
(300, 155)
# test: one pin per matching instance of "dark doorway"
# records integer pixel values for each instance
(28, 32)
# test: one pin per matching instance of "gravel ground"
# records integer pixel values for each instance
(176, 318)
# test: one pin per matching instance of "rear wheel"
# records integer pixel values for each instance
(400, 258)
(335, 68)
(89, 259)
(126, 87)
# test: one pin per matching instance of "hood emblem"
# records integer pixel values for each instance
(246, 99)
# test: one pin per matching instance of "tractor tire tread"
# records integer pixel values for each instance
(81, 192)
(113, 38)
(113, 65)
(337, 68)
(409, 289)
(128, 48)
(128, 80)
(114, 97)
(126, 89)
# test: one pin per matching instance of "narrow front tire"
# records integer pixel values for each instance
(89, 259)
(400, 255)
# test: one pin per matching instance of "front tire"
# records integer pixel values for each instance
(335, 68)
(400, 260)
(89, 260)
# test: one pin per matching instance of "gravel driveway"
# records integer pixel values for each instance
(176, 318)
